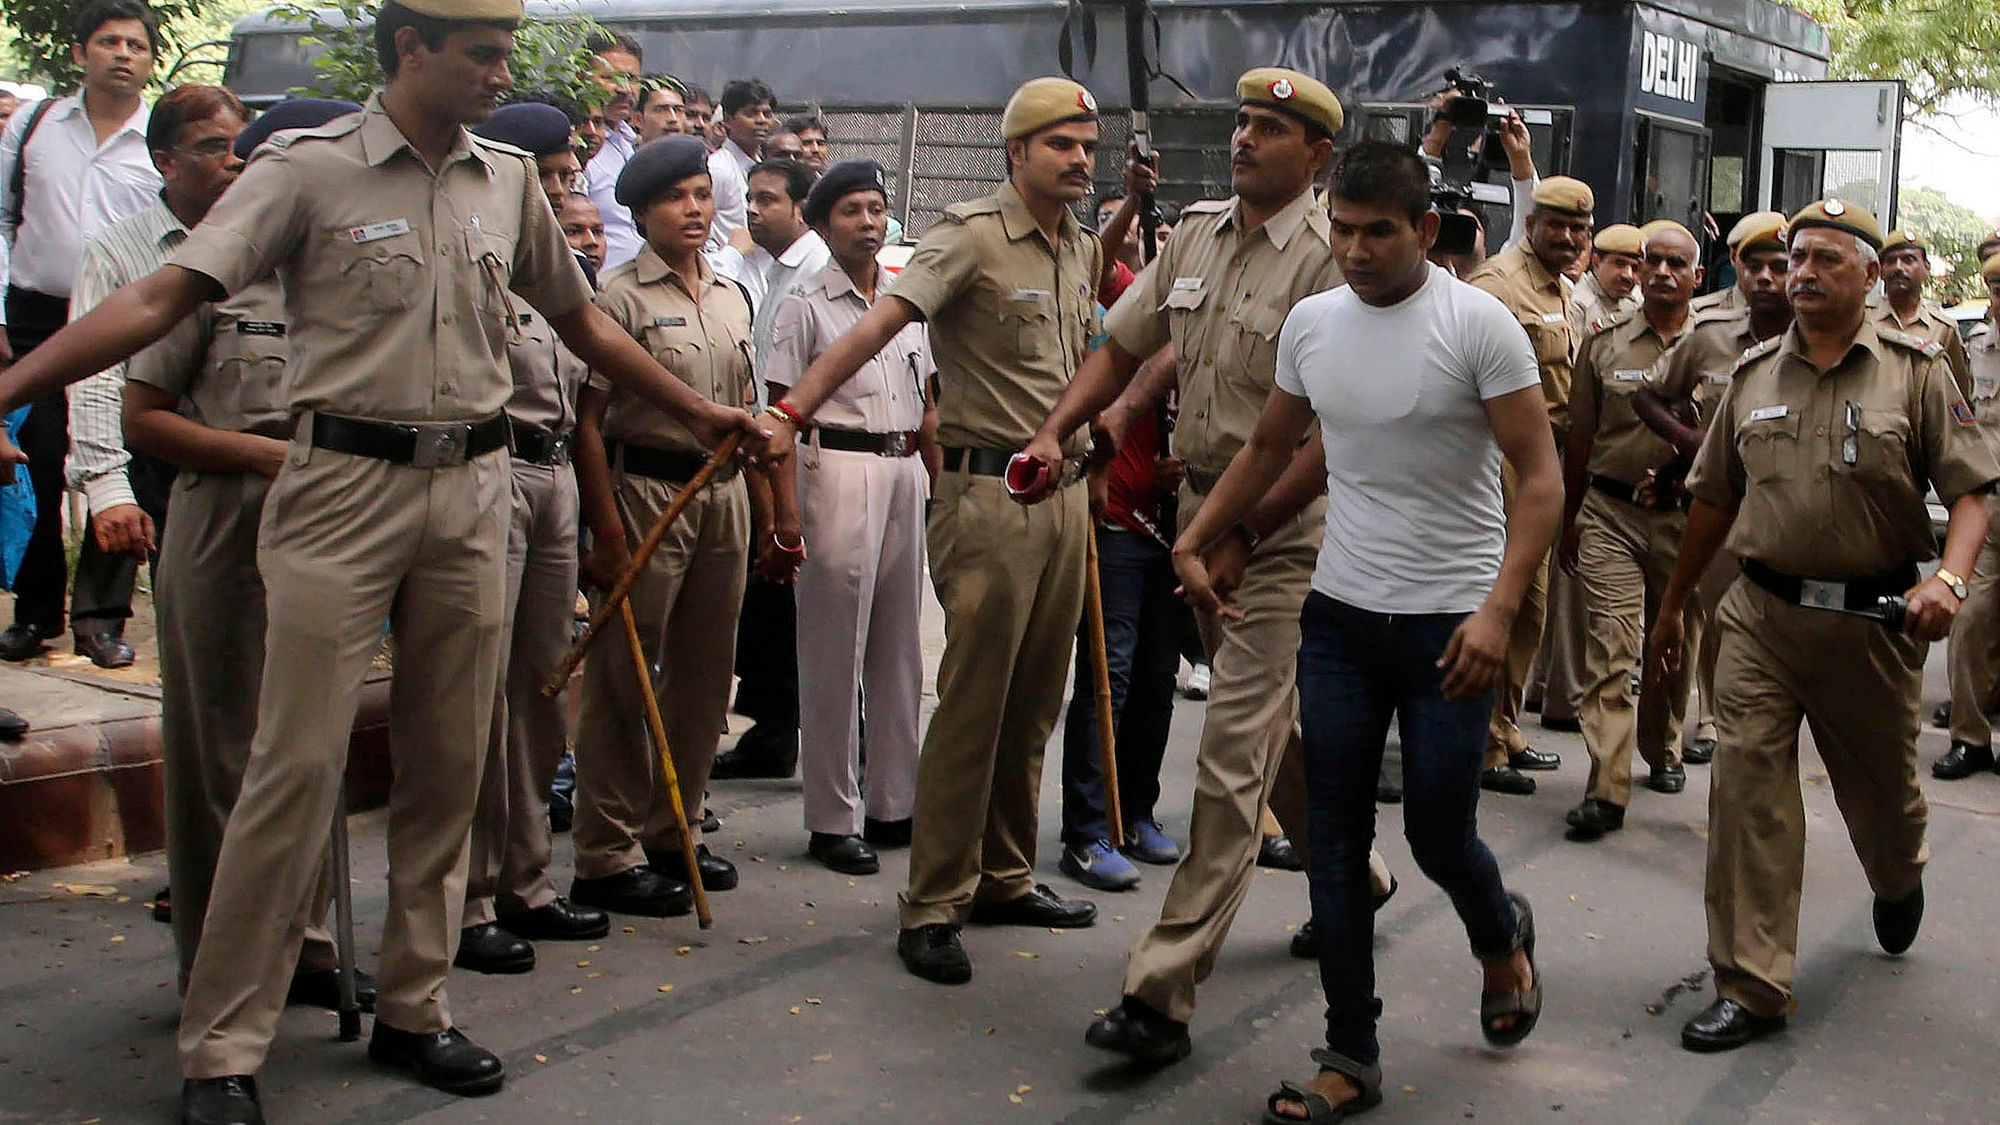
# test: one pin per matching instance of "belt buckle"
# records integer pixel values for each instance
(559, 448)
(441, 447)
(899, 444)
(1815, 594)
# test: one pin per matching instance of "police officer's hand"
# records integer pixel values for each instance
(1567, 549)
(1168, 473)
(1476, 655)
(123, 529)
(1665, 647)
(1226, 559)
(609, 556)
(267, 456)
(1932, 606)
(1097, 484)
(1108, 429)
(780, 553)
(10, 456)
(1046, 449)
(1191, 567)
(1142, 176)
(760, 443)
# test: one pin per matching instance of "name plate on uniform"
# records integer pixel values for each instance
(1187, 284)
(670, 322)
(1025, 295)
(375, 232)
(1822, 595)
(1555, 318)
(1766, 413)
(1629, 375)
(260, 327)
(1716, 378)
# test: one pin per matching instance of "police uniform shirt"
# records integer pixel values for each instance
(1930, 324)
(546, 374)
(1011, 317)
(1983, 356)
(1540, 301)
(1594, 309)
(1692, 375)
(227, 362)
(1609, 372)
(396, 277)
(1220, 296)
(1722, 300)
(1775, 453)
(886, 394)
(706, 346)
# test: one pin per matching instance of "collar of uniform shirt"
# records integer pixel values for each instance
(650, 267)
(1866, 339)
(1539, 273)
(380, 139)
(834, 282)
(1019, 222)
(1279, 228)
(73, 105)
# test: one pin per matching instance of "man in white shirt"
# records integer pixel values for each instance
(1419, 383)
(616, 64)
(85, 167)
(749, 117)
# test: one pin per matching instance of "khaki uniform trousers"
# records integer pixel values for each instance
(1504, 735)
(1250, 755)
(510, 834)
(1974, 655)
(209, 600)
(860, 594)
(1010, 579)
(689, 595)
(1557, 681)
(1625, 558)
(349, 545)
(1857, 686)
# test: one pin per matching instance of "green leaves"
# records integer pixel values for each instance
(1936, 49)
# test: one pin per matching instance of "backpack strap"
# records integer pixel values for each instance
(17, 182)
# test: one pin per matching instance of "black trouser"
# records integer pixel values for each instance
(104, 581)
(767, 656)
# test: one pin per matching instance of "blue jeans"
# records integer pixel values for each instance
(1358, 670)
(1143, 626)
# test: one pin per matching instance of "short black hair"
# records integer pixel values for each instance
(97, 13)
(694, 93)
(185, 105)
(1385, 174)
(798, 177)
(1170, 214)
(746, 92)
(571, 108)
(430, 30)
(608, 40)
(799, 123)
(1111, 195)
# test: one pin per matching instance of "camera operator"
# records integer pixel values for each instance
(1514, 140)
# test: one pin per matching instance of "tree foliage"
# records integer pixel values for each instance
(1954, 232)
(1936, 47)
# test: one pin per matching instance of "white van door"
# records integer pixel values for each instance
(1831, 138)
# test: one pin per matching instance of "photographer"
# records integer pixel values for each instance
(1514, 140)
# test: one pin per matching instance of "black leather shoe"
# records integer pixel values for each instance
(710, 823)
(105, 648)
(1593, 818)
(1571, 725)
(560, 920)
(562, 815)
(13, 727)
(1388, 792)
(763, 753)
(1726, 1025)
(1280, 853)
(1896, 922)
(1039, 907)
(445, 1060)
(934, 953)
(639, 890)
(322, 990)
(1533, 759)
(717, 873)
(1135, 1030)
(849, 855)
(23, 642)
(886, 833)
(1962, 761)
(1698, 752)
(486, 948)
(1668, 779)
(221, 1101)
(1506, 779)
(1941, 715)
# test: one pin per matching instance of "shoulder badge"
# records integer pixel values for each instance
(960, 212)
(1205, 207)
(1756, 352)
(1931, 349)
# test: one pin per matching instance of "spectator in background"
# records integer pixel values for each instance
(661, 110)
(87, 166)
(749, 117)
(591, 130)
(787, 146)
(616, 71)
(8, 104)
(811, 131)
(583, 228)
(698, 111)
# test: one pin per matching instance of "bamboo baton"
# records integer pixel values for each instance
(669, 777)
(1107, 749)
(620, 590)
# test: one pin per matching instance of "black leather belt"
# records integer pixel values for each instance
(538, 446)
(993, 463)
(1619, 490)
(1853, 593)
(674, 466)
(428, 445)
(901, 443)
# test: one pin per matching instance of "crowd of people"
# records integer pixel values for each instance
(428, 365)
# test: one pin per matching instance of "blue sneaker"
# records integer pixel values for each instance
(1098, 867)
(1147, 842)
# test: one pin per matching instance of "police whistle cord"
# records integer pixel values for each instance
(670, 778)
(622, 589)
(1107, 750)
(349, 1006)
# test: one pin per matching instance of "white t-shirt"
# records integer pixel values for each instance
(1414, 522)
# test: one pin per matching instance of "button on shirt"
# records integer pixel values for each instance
(1011, 316)
(227, 362)
(1220, 295)
(75, 188)
(886, 394)
(621, 236)
(1609, 372)
(1775, 454)
(1539, 300)
(705, 345)
(395, 276)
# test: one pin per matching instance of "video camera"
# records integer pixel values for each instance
(1458, 231)
(1477, 106)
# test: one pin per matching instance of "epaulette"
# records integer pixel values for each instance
(500, 146)
(1205, 207)
(338, 127)
(959, 212)
(1717, 313)
(1930, 349)
(1756, 352)
(1604, 323)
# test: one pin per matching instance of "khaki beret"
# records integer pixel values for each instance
(1989, 270)
(1758, 229)
(1565, 193)
(1657, 225)
(1839, 214)
(1042, 102)
(1903, 236)
(466, 10)
(1619, 238)
(1292, 93)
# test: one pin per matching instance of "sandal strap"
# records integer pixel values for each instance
(1368, 1076)
(1523, 921)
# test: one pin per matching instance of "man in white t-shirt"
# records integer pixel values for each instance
(1420, 383)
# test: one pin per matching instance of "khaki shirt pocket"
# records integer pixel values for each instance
(1255, 343)
(379, 278)
(1029, 326)
(1551, 341)
(252, 367)
(679, 351)
(1769, 449)
(1884, 447)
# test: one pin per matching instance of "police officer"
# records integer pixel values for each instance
(1975, 650)
(1815, 469)
(1528, 278)
(1752, 227)
(633, 460)
(1218, 295)
(508, 896)
(1906, 269)
(1619, 539)
(397, 233)
(860, 506)
(1611, 288)
(1007, 284)
(1680, 394)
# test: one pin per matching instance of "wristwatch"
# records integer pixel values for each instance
(1956, 583)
